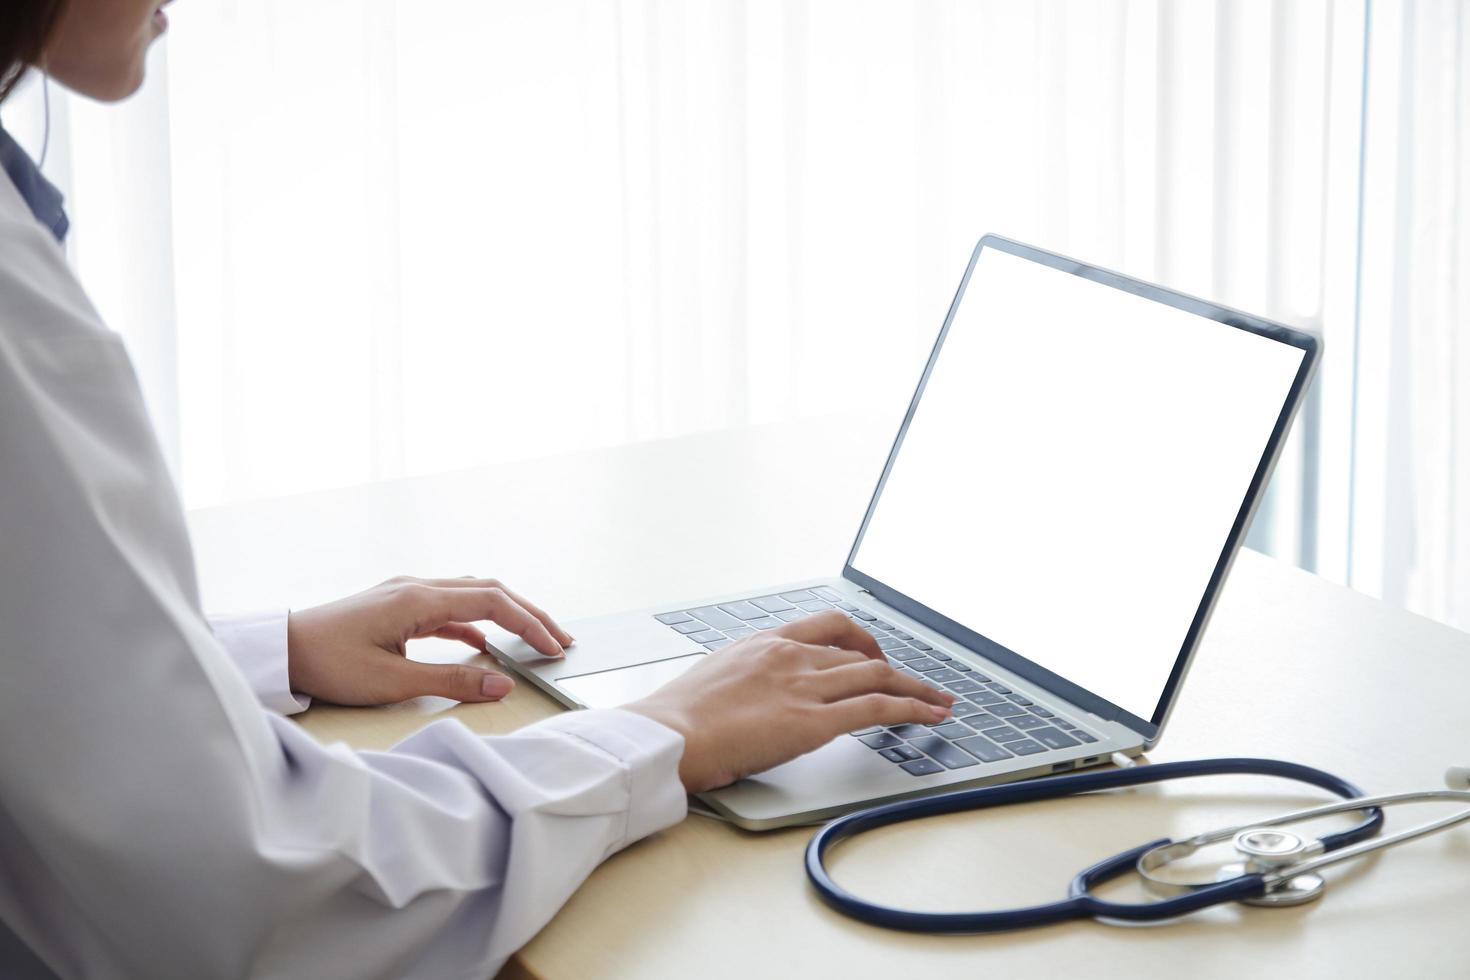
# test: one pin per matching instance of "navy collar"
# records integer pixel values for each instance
(40, 195)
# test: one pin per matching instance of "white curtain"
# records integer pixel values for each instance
(358, 239)
(1411, 528)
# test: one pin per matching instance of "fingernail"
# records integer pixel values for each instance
(939, 712)
(496, 686)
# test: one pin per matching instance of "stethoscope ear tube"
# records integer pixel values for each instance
(1080, 902)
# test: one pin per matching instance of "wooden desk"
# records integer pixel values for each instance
(1292, 667)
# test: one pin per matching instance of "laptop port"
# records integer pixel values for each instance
(1061, 767)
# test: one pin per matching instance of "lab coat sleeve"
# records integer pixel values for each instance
(156, 820)
(256, 642)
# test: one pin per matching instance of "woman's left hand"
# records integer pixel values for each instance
(353, 651)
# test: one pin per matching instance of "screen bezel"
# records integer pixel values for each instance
(1151, 728)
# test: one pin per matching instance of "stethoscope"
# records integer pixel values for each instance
(1276, 867)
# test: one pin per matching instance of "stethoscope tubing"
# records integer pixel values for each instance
(1080, 902)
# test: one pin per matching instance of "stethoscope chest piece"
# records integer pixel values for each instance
(1265, 851)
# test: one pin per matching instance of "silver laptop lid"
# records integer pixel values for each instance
(1076, 472)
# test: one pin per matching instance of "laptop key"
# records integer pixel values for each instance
(999, 688)
(845, 606)
(940, 655)
(742, 610)
(1042, 712)
(711, 616)
(771, 603)
(1026, 722)
(952, 731)
(871, 729)
(1020, 700)
(799, 596)
(889, 643)
(1003, 734)
(964, 709)
(922, 664)
(880, 740)
(706, 636)
(892, 755)
(905, 751)
(790, 615)
(920, 645)
(902, 635)
(736, 632)
(944, 675)
(826, 593)
(1026, 747)
(882, 625)
(922, 767)
(1052, 738)
(962, 686)
(1063, 723)
(944, 752)
(985, 697)
(717, 644)
(693, 626)
(908, 731)
(866, 617)
(983, 749)
(1006, 710)
(813, 605)
(1079, 733)
(669, 619)
(764, 623)
(960, 665)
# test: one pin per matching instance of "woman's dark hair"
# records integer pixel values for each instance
(25, 29)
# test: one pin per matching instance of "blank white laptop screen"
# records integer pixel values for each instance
(1072, 471)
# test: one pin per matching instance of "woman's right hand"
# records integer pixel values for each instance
(782, 693)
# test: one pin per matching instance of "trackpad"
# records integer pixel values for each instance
(611, 688)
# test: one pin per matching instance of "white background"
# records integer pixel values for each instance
(349, 240)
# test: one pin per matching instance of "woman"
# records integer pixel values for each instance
(158, 814)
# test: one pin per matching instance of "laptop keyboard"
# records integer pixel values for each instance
(991, 723)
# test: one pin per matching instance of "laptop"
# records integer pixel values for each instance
(1076, 470)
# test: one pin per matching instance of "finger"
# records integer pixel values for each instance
(461, 682)
(470, 582)
(562, 636)
(870, 676)
(442, 606)
(464, 633)
(834, 630)
(866, 710)
(435, 607)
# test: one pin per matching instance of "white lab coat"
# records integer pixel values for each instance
(157, 818)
